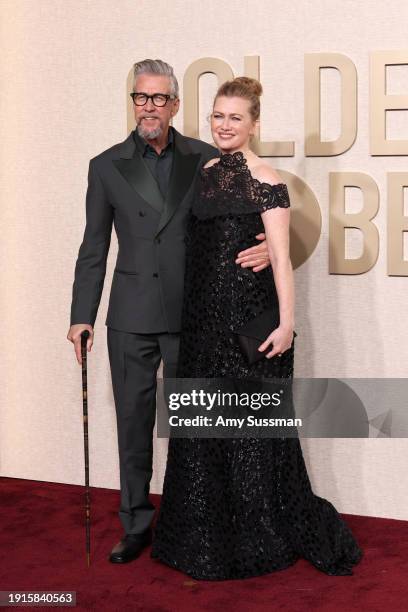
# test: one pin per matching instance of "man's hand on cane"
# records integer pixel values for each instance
(74, 335)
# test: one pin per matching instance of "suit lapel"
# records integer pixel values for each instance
(132, 167)
(184, 168)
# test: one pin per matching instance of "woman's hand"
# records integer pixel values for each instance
(281, 338)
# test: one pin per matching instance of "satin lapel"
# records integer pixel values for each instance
(133, 169)
(184, 167)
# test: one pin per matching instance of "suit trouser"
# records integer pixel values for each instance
(134, 361)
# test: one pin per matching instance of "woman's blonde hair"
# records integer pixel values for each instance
(243, 87)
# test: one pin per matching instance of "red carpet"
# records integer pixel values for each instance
(43, 548)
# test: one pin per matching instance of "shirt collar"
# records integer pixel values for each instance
(142, 145)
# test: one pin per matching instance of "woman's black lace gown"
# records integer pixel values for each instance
(238, 507)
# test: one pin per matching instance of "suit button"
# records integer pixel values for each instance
(158, 240)
(141, 213)
(155, 275)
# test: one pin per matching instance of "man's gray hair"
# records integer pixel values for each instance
(149, 66)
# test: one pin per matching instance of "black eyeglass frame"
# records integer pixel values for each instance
(142, 93)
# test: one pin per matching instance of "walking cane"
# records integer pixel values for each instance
(84, 338)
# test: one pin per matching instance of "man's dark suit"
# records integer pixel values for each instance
(145, 303)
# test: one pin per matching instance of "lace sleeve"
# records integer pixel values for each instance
(272, 196)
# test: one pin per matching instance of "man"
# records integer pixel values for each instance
(144, 186)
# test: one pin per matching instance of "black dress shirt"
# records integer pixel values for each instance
(159, 164)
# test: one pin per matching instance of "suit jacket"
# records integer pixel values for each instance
(147, 286)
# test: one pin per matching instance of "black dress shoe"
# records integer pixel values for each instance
(130, 547)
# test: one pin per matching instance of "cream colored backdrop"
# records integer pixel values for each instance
(63, 74)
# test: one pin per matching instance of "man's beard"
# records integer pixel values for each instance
(149, 134)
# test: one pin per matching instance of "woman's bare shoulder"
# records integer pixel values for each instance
(266, 174)
(211, 162)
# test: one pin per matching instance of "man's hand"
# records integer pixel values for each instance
(74, 335)
(256, 257)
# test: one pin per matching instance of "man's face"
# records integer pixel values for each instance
(152, 121)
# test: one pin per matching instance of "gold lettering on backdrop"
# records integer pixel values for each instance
(397, 223)
(191, 81)
(224, 72)
(381, 102)
(339, 220)
(314, 145)
(265, 149)
(306, 219)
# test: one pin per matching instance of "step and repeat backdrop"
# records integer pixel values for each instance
(334, 123)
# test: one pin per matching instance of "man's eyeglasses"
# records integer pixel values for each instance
(158, 99)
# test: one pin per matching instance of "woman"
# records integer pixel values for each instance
(241, 507)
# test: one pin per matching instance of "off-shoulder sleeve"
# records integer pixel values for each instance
(272, 196)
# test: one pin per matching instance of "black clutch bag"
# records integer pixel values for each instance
(253, 333)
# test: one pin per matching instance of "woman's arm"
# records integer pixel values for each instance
(276, 222)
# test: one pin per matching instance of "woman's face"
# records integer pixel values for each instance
(231, 123)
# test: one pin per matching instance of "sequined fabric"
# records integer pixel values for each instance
(235, 508)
